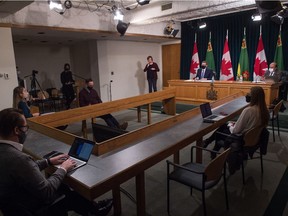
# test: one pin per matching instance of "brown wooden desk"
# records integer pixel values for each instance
(195, 91)
(108, 171)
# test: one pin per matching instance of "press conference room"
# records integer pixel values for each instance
(212, 52)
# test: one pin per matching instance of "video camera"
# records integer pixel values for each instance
(34, 72)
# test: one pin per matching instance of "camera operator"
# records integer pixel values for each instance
(67, 85)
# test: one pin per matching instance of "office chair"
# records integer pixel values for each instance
(274, 114)
(254, 140)
(199, 176)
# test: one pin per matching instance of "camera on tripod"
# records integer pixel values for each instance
(34, 72)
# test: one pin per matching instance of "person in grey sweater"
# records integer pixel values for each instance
(23, 185)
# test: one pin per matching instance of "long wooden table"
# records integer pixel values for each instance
(108, 171)
(196, 91)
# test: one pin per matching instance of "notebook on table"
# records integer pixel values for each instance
(207, 114)
(80, 151)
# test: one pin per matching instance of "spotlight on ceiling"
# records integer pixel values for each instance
(169, 30)
(122, 27)
(256, 17)
(143, 2)
(202, 25)
(55, 4)
(68, 4)
(118, 15)
(279, 17)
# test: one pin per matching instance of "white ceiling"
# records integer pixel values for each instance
(141, 15)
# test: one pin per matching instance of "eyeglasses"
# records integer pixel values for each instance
(26, 128)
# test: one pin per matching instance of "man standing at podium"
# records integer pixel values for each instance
(204, 72)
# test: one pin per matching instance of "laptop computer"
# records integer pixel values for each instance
(80, 151)
(207, 114)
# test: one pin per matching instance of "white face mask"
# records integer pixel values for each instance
(271, 69)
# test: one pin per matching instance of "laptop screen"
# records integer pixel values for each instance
(205, 109)
(81, 149)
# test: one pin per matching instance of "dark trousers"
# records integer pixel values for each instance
(110, 121)
(69, 95)
(152, 83)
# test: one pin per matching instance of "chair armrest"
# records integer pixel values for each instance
(181, 167)
(202, 149)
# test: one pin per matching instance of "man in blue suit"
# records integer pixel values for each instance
(204, 72)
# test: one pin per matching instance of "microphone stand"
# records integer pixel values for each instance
(110, 87)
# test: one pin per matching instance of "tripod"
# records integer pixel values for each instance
(34, 81)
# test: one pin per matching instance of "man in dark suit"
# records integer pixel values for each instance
(272, 74)
(204, 72)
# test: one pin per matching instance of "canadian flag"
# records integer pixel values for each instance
(260, 65)
(194, 61)
(226, 72)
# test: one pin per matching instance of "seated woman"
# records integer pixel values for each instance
(255, 114)
(20, 99)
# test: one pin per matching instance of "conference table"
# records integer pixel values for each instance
(108, 171)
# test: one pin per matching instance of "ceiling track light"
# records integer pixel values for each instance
(55, 4)
(279, 17)
(256, 17)
(122, 27)
(202, 25)
(143, 2)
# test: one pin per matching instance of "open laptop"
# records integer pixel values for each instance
(207, 115)
(80, 151)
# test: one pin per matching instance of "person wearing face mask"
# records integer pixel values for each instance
(21, 100)
(67, 85)
(272, 74)
(89, 96)
(23, 185)
(204, 72)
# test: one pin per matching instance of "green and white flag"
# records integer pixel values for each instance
(278, 58)
(209, 56)
(243, 65)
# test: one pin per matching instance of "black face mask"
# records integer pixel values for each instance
(203, 66)
(90, 88)
(22, 137)
(67, 68)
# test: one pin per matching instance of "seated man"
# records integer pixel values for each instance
(89, 96)
(272, 74)
(23, 186)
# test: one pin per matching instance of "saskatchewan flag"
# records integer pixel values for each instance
(278, 58)
(243, 65)
(209, 56)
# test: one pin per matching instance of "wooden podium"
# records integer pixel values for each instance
(196, 91)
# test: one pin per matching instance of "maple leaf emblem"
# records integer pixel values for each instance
(209, 48)
(257, 66)
(226, 67)
(279, 42)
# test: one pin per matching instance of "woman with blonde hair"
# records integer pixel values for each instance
(20, 97)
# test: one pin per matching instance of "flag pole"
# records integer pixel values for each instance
(195, 37)
(260, 29)
(210, 35)
(244, 31)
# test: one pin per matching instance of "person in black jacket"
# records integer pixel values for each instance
(151, 68)
(204, 72)
(67, 85)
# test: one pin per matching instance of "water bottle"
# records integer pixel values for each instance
(241, 78)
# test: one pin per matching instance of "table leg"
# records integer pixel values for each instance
(140, 194)
(149, 113)
(176, 157)
(198, 151)
(139, 113)
(116, 200)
